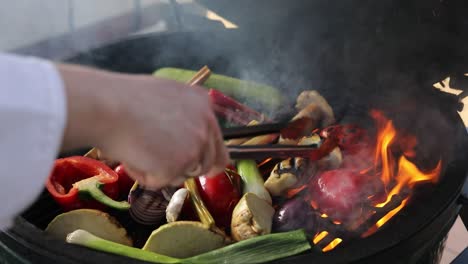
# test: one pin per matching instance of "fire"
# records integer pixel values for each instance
(398, 174)
(406, 175)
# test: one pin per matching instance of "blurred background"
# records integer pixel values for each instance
(56, 29)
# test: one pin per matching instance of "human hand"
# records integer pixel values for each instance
(160, 129)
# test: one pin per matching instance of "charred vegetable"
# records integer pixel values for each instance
(183, 239)
(251, 217)
(315, 110)
(341, 193)
(294, 214)
(284, 176)
(96, 222)
(289, 172)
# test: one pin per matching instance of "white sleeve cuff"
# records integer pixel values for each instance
(33, 117)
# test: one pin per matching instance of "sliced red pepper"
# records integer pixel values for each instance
(351, 137)
(232, 110)
(80, 182)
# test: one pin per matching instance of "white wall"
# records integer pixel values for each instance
(25, 22)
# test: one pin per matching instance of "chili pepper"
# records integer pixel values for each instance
(81, 182)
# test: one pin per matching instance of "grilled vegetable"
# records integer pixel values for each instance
(174, 208)
(332, 161)
(314, 110)
(351, 138)
(284, 176)
(294, 214)
(306, 98)
(266, 95)
(96, 222)
(251, 217)
(342, 193)
(231, 110)
(289, 172)
(252, 179)
(80, 182)
(220, 194)
(148, 207)
(183, 239)
(255, 250)
(84, 238)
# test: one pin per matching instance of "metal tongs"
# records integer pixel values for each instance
(290, 130)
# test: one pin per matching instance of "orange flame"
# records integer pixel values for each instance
(398, 174)
(407, 174)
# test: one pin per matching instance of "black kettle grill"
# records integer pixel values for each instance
(359, 55)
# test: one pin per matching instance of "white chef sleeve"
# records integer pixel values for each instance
(32, 122)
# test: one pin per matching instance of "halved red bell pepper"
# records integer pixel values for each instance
(80, 182)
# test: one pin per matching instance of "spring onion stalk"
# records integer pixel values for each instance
(257, 250)
(84, 238)
(198, 204)
(252, 179)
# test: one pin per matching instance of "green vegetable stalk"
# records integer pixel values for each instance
(252, 179)
(268, 96)
(84, 238)
(255, 250)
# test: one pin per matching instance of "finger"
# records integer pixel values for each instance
(178, 182)
(220, 152)
(148, 181)
(134, 173)
(209, 151)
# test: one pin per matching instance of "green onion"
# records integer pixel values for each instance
(252, 179)
(84, 238)
(257, 250)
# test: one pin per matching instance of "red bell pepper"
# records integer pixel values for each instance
(80, 182)
(220, 193)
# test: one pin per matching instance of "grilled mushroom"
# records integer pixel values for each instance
(284, 176)
(313, 97)
(314, 108)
